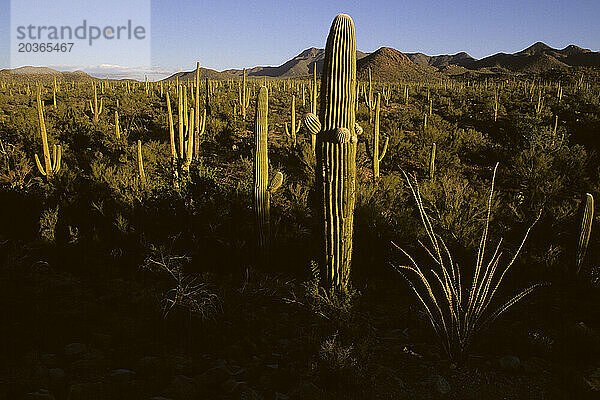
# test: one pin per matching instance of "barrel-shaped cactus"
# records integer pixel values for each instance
(336, 150)
(261, 175)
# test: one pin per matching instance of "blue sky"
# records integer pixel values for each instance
(232, 34)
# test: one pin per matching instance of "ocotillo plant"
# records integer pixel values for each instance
(294, 129)
(336, 151)
(586, 230)
(50, 168)
(96, 111)
(141, 164)
(261, 175)
(374, 155)
(432, 161)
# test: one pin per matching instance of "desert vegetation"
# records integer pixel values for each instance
(347, 234)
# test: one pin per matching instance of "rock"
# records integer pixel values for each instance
(121, 375)
(41, 394)
(160, 398)
(232, 386)
(439, 384)
(281, 396)
(184, 387)
(509, 363)
(75, 350)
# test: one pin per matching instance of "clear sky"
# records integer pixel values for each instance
(232, 34)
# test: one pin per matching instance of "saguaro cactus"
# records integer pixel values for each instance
(375, 156)
(294, 129)
(50, 168)
(336, 150)
(432, 161)
(94, 108)
(586, 230)
(369, 98)
(117, 127)
(141, 164)
(261, 174)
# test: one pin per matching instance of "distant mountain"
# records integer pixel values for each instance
(388, 64)
(461, 59)
(204, 73)
(540, 57)
(29, 72)
(299, 66)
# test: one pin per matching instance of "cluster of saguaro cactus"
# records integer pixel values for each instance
(94, 108)
(375, 156)
(586, 230)
(294, 129)
(51, 164)
(387, 94)
(336, 150)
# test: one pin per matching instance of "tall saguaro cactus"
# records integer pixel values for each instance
(94, 108)
(586, 229)
(50, 168)
(336, 150)
(261, 174)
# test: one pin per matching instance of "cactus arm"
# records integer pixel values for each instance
(385, 147)
(39, 165)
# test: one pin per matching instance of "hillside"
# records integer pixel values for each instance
(388, 64)
(34, 73)
(461, 59)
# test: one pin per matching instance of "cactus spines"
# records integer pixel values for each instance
(261, 174)
(276, 182)
(432, 161)
(141, 163)
(375, 156)
(50, 168)
(586, 229)
(336, 162)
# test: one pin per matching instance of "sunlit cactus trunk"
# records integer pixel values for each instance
(336, 150)
(261, 175)
(586, 229)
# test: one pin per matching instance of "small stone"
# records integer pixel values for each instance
(85, 391)
(121, 375)
(281, 396)
(439, 384)
(509, 363)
